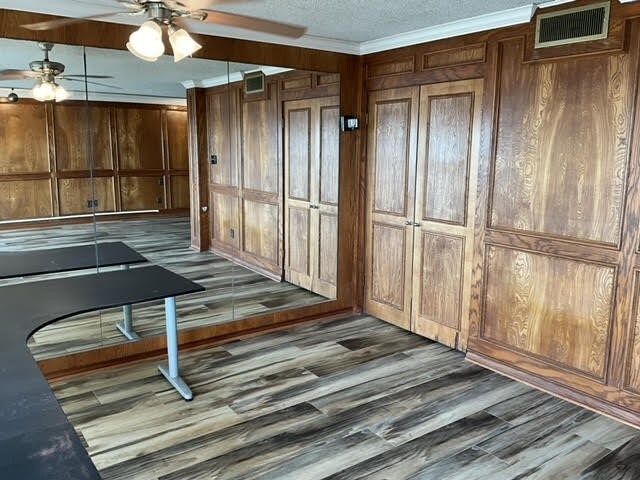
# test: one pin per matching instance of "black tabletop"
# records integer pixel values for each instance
(65, 259)
(36, 439)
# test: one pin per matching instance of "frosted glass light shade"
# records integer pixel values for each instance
(44, 91)
(146, 42)
(61, 93)
(183, 45)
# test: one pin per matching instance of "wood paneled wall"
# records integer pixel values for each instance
(137, 154)
(556, 262)
(246, 179)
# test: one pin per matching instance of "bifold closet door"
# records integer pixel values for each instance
(448, 143)
(311, 193)
(392, 142)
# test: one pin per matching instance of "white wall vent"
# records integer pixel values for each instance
(580, 24)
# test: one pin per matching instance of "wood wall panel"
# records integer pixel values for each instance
(224, 218)
(260, 165)
(25, 199)
(58, 140)
(439, 289)
(299, 151)
(632, 360)
(562, 145)
(177, 147)
(142, 193)
(448, 147)
(74, 194)
(222, 114)
(260, 230)
(23, 136)
(139, 131)
(82, 134)
(455, 56)
(549, 307)
(297, 82)
(394, 67)
(329, 155)
(179, 191)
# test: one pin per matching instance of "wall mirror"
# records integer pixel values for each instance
(46, 173)
(273, 153)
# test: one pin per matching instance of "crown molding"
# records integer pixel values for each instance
(104, 97)
(489, 21)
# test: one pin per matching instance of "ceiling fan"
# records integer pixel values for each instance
(46, 73)
(146, 42)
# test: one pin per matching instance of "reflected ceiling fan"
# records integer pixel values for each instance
(46, 73)
(146, 42)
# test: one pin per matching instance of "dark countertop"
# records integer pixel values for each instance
(65, 259)
(36, 439)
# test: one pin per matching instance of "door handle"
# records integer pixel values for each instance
(408, 223)
(416, 224)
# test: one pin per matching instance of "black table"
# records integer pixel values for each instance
(36, 439)
(66, 259)
(77, 257)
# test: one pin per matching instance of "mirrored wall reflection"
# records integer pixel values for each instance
(272, 141)
(46, 177)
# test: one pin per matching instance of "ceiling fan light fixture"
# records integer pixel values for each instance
(61, 93)
(146, 42)
(44, 91)
(182, 43)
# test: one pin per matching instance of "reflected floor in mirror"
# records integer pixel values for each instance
(233, 292)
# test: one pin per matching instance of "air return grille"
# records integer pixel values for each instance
(574, 25)
(254, 82)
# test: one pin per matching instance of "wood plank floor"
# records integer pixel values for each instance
(233, 292)
(351, 399)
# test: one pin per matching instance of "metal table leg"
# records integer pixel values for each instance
(126, 328)
(172, 374)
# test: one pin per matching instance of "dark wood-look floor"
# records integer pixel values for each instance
(352, 399)
(233, 292)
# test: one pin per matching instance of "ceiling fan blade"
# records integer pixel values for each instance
(204, 4)
(92, 83)
(132, 4)
(18, 74)
(82, 76)
(61, 22)
(252, 23)
(182, 23)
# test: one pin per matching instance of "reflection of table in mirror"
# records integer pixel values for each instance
(36, 438)
(67, 259)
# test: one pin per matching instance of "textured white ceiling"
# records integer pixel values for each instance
(366, 20)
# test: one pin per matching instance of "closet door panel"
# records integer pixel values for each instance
(448, 144)
(299, 266)
(298, 126)
(393, 122)
(446, 172)
(327, 261)
(329, 151)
